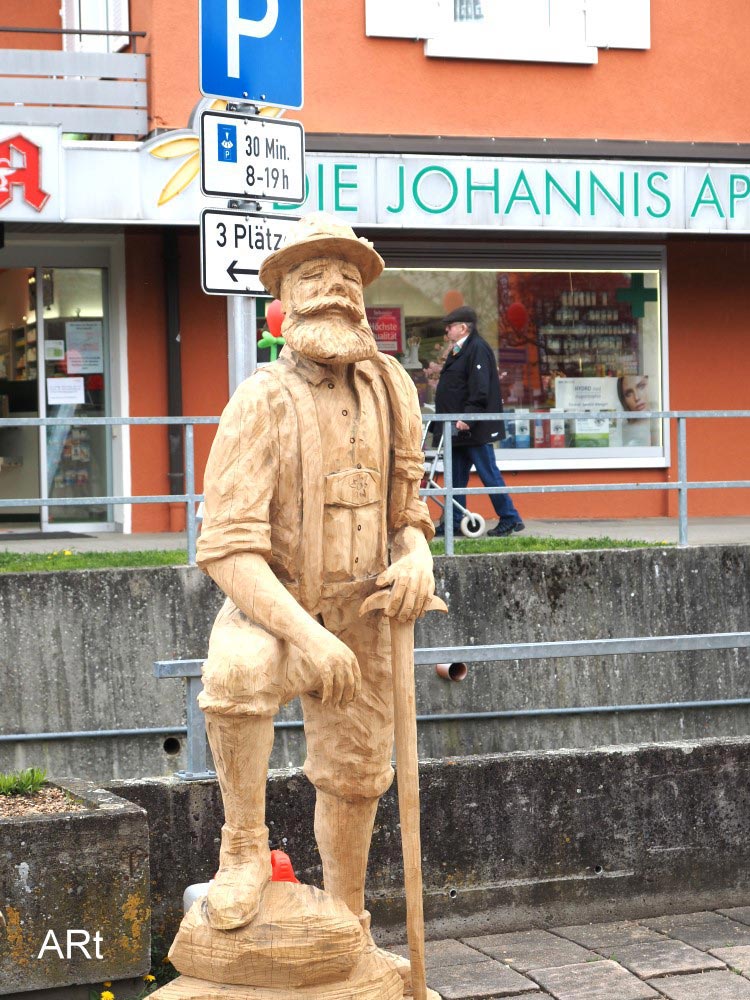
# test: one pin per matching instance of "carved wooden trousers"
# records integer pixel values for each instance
(251, 673)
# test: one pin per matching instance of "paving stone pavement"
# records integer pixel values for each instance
(684, 956)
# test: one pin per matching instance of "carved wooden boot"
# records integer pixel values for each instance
(401, 965)
(241, 747)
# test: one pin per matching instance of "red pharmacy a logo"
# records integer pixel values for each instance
(20, 166)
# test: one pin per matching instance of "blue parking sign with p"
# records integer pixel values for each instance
(251, 51)
(227, 142)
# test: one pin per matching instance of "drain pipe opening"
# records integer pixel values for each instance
(451, 671)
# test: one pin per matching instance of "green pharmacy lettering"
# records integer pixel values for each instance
(396, 209)
(708, 197)
(737, 194)
(650, 182)
(339, 185)
(442, 171)
(550, 183)
(595, 184)
(471, 187)
(525, 197)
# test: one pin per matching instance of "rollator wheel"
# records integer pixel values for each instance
(472, 526)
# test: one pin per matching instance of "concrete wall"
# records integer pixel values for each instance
(509, 840)
(76, 653)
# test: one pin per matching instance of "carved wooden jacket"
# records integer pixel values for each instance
(265, 484)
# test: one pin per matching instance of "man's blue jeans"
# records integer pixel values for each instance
(482, 457)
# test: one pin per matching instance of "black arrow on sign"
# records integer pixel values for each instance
(233, 270)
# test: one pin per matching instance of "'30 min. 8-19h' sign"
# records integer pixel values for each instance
(244, 156)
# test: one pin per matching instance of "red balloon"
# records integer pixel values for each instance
(517, 315)
(274, 318)
(452, 300)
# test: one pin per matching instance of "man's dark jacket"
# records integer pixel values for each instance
(469, 384)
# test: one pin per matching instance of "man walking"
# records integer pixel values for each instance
(469, 384)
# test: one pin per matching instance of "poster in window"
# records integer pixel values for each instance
(85, 347)
(387, 325)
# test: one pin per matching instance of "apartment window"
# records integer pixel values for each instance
(95, 15)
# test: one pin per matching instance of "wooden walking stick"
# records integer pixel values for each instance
(407, 776)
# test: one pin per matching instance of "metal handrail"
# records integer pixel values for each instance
(133, 35)
(190, 671)
(191, 498)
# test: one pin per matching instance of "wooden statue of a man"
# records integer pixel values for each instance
(312, 504)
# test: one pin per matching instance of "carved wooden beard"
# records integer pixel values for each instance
(329, 330)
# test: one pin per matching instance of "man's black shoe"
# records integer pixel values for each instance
(504, 528)
(440, 530)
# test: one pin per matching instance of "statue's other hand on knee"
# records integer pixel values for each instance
(337, 675)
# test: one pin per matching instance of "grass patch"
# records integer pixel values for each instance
(531, 543)
(48, 562)
(22, 782)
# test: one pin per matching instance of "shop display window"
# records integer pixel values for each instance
(565, 341)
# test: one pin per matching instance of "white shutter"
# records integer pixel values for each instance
(403, 18)
(118, 20)
(69, 15)
(95, 15)
(619, 24)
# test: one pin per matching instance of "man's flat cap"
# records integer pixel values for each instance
(464, 314)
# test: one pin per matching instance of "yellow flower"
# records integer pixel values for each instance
(107, 995)
(67, 552)
(148, 978)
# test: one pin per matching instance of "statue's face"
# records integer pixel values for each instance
(326, 284)
(325, 311)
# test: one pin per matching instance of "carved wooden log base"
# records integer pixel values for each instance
(373, 979)
(301, 936)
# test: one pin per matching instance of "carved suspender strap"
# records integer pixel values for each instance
(313, 481)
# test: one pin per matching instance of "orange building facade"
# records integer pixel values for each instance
(582, 179)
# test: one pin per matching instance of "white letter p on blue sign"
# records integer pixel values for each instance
(251, 51)
(237, 26)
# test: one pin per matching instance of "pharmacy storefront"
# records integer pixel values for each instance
(59, 292)
(602, 285)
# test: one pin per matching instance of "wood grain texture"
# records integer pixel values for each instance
(372, 979)
(312, 505)
(301, 936)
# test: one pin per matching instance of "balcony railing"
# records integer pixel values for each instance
(93, 93)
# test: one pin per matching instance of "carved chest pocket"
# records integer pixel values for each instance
(352, 488)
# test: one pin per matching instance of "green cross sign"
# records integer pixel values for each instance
(637, 295)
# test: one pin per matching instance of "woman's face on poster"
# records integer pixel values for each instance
(635, 392)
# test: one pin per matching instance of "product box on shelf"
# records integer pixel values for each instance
(522, 429)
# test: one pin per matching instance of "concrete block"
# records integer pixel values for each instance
(593, 981)
(705, 986)
(739, 913)
(591, 859)
(85, 872)
(738, 959)
(478, 980)
(704, 930)
(650, 959)
(604, 938)
(438, 954)
(526, 950)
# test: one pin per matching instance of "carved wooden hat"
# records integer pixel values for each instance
(320, 235)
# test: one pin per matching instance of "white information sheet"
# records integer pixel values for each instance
(64, 390)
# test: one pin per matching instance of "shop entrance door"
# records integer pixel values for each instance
(54, 363)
